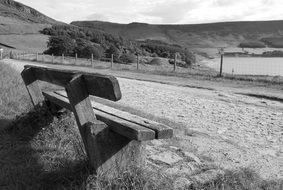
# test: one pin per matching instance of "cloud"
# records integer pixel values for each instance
(159, 11)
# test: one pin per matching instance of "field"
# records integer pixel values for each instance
(46, 152)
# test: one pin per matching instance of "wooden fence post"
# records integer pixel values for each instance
(1, 53)
(138, 61)
(221, 52)
(221, 65)
(63, 58)
(175, 60)
(52, 58)
(43, 57)
(92, 60)
(76, 58)
(36, 56)
(112, 58)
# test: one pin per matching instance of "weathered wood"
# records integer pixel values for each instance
(32, 86)
(161, 131)
(120, 125)
(103, 86)
(112, 153)
(80, 104)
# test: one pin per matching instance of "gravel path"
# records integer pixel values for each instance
(231, 130)
(242, 131)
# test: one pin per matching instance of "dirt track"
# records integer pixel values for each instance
(232, 130)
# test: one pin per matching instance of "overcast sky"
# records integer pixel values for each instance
(159, 11)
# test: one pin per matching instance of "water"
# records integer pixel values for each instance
(250, 65)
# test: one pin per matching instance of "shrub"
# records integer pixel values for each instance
(127, 58)
(252, 44)
(113, 50)
(59, 45)
(155, 61)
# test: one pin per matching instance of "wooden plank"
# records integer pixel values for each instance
(161, 131)
(81, 106)
(119, 125)
(32, 86)
(104, 86)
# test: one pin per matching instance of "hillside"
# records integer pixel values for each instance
(228, 34)
(20, 26)
(19, 11)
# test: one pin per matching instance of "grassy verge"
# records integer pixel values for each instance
(42, 151)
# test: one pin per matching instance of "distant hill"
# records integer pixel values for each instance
(19, 11)
(228, 34)
(20, 26)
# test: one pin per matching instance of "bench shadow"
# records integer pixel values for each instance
(23, 158)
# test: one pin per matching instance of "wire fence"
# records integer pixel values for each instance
(231, 66)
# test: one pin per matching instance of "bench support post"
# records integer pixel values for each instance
(108, 152)
(32, 86)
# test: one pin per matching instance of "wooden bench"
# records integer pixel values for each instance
(112, 138)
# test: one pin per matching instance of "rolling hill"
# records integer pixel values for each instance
(20, 26)
(227, 34)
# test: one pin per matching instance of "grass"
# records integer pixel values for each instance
(43, 151)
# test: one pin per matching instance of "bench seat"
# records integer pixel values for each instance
(123, 123)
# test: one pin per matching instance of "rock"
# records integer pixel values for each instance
(166, 157)
(182, 183)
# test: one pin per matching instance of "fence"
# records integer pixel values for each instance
(102, 63)
(231, 66)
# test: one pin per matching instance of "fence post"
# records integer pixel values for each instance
(91, 60)
(36, 56)
(63, 58)
(43, 57)
(221, 52)
(138, 61)
(76, 57)
(175, 60)
(221, 65)
(1, 53)
(112, 58)
(52, 58)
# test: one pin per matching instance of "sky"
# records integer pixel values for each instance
(159, 11)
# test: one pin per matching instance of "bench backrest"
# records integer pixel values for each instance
(103, 86)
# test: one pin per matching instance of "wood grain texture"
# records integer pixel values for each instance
(32, 86)
(104, 86)
(80, 105)
(161, 131)
(113, 152)
(119, 125)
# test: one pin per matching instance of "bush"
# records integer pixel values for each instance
(90, 49)
(59, 45)
(155, 61)
(179, 63)
(127, 58)
(252, 44)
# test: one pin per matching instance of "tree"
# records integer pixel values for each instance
(59, 45)
(113, 50)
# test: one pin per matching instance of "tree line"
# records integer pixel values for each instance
(71, 40)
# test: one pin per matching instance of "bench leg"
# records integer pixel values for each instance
(111, 153)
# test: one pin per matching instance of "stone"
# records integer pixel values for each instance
(182, 183)
(168, 157)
